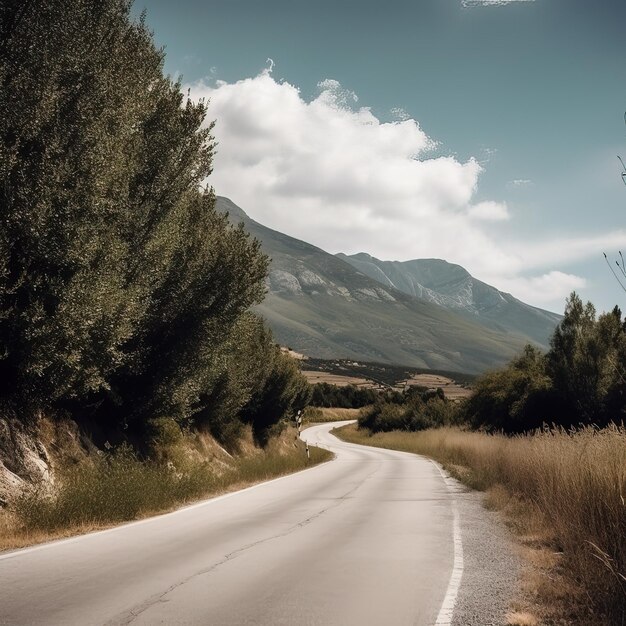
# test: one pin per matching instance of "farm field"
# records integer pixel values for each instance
(451, 389)
(339, 380)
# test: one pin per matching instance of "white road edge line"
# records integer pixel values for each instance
(446, 612)
(147, 520)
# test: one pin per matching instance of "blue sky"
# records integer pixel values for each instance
(482, 132)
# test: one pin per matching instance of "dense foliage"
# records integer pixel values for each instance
(346, 397)
(415, 409)
(123, 293)
(581, 380)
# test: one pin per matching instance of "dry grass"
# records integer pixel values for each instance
(324, 414)
(451, 389)
(100, 492)
(563, 493)
(340, 380)
(521, 618)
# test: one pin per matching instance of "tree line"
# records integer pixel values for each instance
(124, 295)
(580, 380)
(345, 397)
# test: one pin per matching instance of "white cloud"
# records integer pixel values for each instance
(546, 289)
(399, 114)
(564, 250)
(490, 3)
(335, 95)
(489, 211)
(520, 182)
(331, 173)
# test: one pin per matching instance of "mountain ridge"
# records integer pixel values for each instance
(453, 287)
(321, 305)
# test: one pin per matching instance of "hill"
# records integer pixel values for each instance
(322, 306)
(453, 287)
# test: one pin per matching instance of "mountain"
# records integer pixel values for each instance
(454, 288)
(322, 306)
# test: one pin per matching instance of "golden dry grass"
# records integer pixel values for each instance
(326, 414)
(99, 493)
(340, 380)
(564, 495)
(521, 618)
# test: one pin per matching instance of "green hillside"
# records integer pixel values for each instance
(322, 306)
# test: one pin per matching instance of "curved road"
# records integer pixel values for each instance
(365, 539)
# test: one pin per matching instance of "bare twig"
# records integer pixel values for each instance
(614, 272)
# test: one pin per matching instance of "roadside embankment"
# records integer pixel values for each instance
(562, 492)
(59, 488)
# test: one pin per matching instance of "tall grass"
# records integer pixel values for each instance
(118, 486)
(329, 414)
(576, 480)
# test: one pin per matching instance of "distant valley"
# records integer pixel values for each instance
(426, 314)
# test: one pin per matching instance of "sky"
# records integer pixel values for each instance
(483, 132)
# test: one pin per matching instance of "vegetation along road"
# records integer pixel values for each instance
(373, 537)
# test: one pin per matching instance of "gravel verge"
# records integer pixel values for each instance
(491, 566)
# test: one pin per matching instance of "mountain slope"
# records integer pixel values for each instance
(321, 305)
(453, 287)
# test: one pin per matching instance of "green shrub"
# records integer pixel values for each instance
(164, 432)
(581, 380)
(345, 397)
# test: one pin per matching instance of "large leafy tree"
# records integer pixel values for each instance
(120, 286)
(579, 381)
(585, 364)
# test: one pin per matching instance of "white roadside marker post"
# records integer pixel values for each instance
(299, 425)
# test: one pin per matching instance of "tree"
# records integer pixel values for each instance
(514, 399)
(584, 362)
(284, 392)
(121, 288)
(578, 381)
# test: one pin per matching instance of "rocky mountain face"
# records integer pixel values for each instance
(454, 288)
(298, 268)
(323, 306)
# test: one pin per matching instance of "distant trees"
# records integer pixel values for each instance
(513, 399)
(415, 409)
(124, 295)
(579, 381)
(346, 397)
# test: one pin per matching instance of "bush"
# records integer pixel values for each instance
(284, 392)
(346, 397)
(414, 410)
(581, 380)
(517, 398)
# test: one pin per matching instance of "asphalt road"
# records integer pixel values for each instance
(369, 538)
